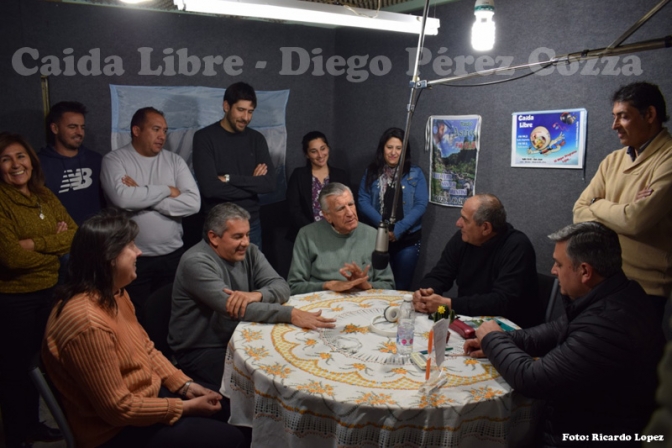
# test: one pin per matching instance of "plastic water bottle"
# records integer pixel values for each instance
(406, 326)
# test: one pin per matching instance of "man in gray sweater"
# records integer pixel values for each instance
(222, 280)
(335, 253)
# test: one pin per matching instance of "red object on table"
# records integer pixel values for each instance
(462, 329)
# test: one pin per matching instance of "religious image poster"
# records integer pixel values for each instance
(549, 139)
(454, 141)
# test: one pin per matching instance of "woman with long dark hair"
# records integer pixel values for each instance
(117, 389)
(306, 182)
(376, 194)
(35, 230)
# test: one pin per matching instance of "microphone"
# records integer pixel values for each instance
(380, 256)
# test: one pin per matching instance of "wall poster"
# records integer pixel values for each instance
(454, 141)
(549, 139)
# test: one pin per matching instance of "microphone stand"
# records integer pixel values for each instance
(380, 257)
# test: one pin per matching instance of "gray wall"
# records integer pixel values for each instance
(351, 110)
(538, 201)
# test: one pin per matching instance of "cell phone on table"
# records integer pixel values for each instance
(504, 325)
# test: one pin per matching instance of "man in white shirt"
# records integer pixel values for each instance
(158, 188)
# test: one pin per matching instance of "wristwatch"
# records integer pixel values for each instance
(227, 178)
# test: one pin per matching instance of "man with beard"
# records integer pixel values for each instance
(71, 171)
(231, 161)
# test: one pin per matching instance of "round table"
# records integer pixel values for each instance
(347, 387)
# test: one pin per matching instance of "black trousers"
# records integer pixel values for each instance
(23, 318)
(153, 273)
(191, 431)
(204, 365)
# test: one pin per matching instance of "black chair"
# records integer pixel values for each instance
(157, 317)
(45, 389)
(548, 297)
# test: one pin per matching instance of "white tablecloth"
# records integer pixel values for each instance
(346, 387)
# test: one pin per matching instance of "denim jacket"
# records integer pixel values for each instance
(414, 195)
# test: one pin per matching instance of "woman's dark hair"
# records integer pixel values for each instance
(97, 243)
(36, 181)
(309, 137)
(375, 168)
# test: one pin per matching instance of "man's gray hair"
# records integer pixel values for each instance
(220, 214)
(592, 243)
(331, 189)
(490, 209)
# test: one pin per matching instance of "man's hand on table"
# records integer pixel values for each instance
(341, 285)
(238, 301)
(311, 320)
(201, 401)
(353, 273)
(425, 301)
(472, 347)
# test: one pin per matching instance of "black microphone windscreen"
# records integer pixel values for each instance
(379, 260)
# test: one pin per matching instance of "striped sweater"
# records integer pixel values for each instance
(107, 370)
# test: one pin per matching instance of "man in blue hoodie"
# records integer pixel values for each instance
(71, 171)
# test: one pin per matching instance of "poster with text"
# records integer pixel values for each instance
(549, 139)
(453, 142)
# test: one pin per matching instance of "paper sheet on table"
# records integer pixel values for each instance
(440, 339)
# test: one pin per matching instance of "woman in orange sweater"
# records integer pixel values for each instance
(117, 389)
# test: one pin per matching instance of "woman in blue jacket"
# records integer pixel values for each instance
(376, 193)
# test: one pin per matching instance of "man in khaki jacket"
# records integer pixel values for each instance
(631, 191)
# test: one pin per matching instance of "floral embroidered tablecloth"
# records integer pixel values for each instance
(347, 387)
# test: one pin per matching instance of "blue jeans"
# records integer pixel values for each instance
(255, 232)
(403, 261)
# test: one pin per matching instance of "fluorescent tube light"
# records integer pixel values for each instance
(316, 13)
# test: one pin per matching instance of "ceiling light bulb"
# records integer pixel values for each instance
(483, 30)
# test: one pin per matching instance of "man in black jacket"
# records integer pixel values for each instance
(493, 264)
(594, 366)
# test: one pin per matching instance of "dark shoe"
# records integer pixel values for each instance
(43, 433)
